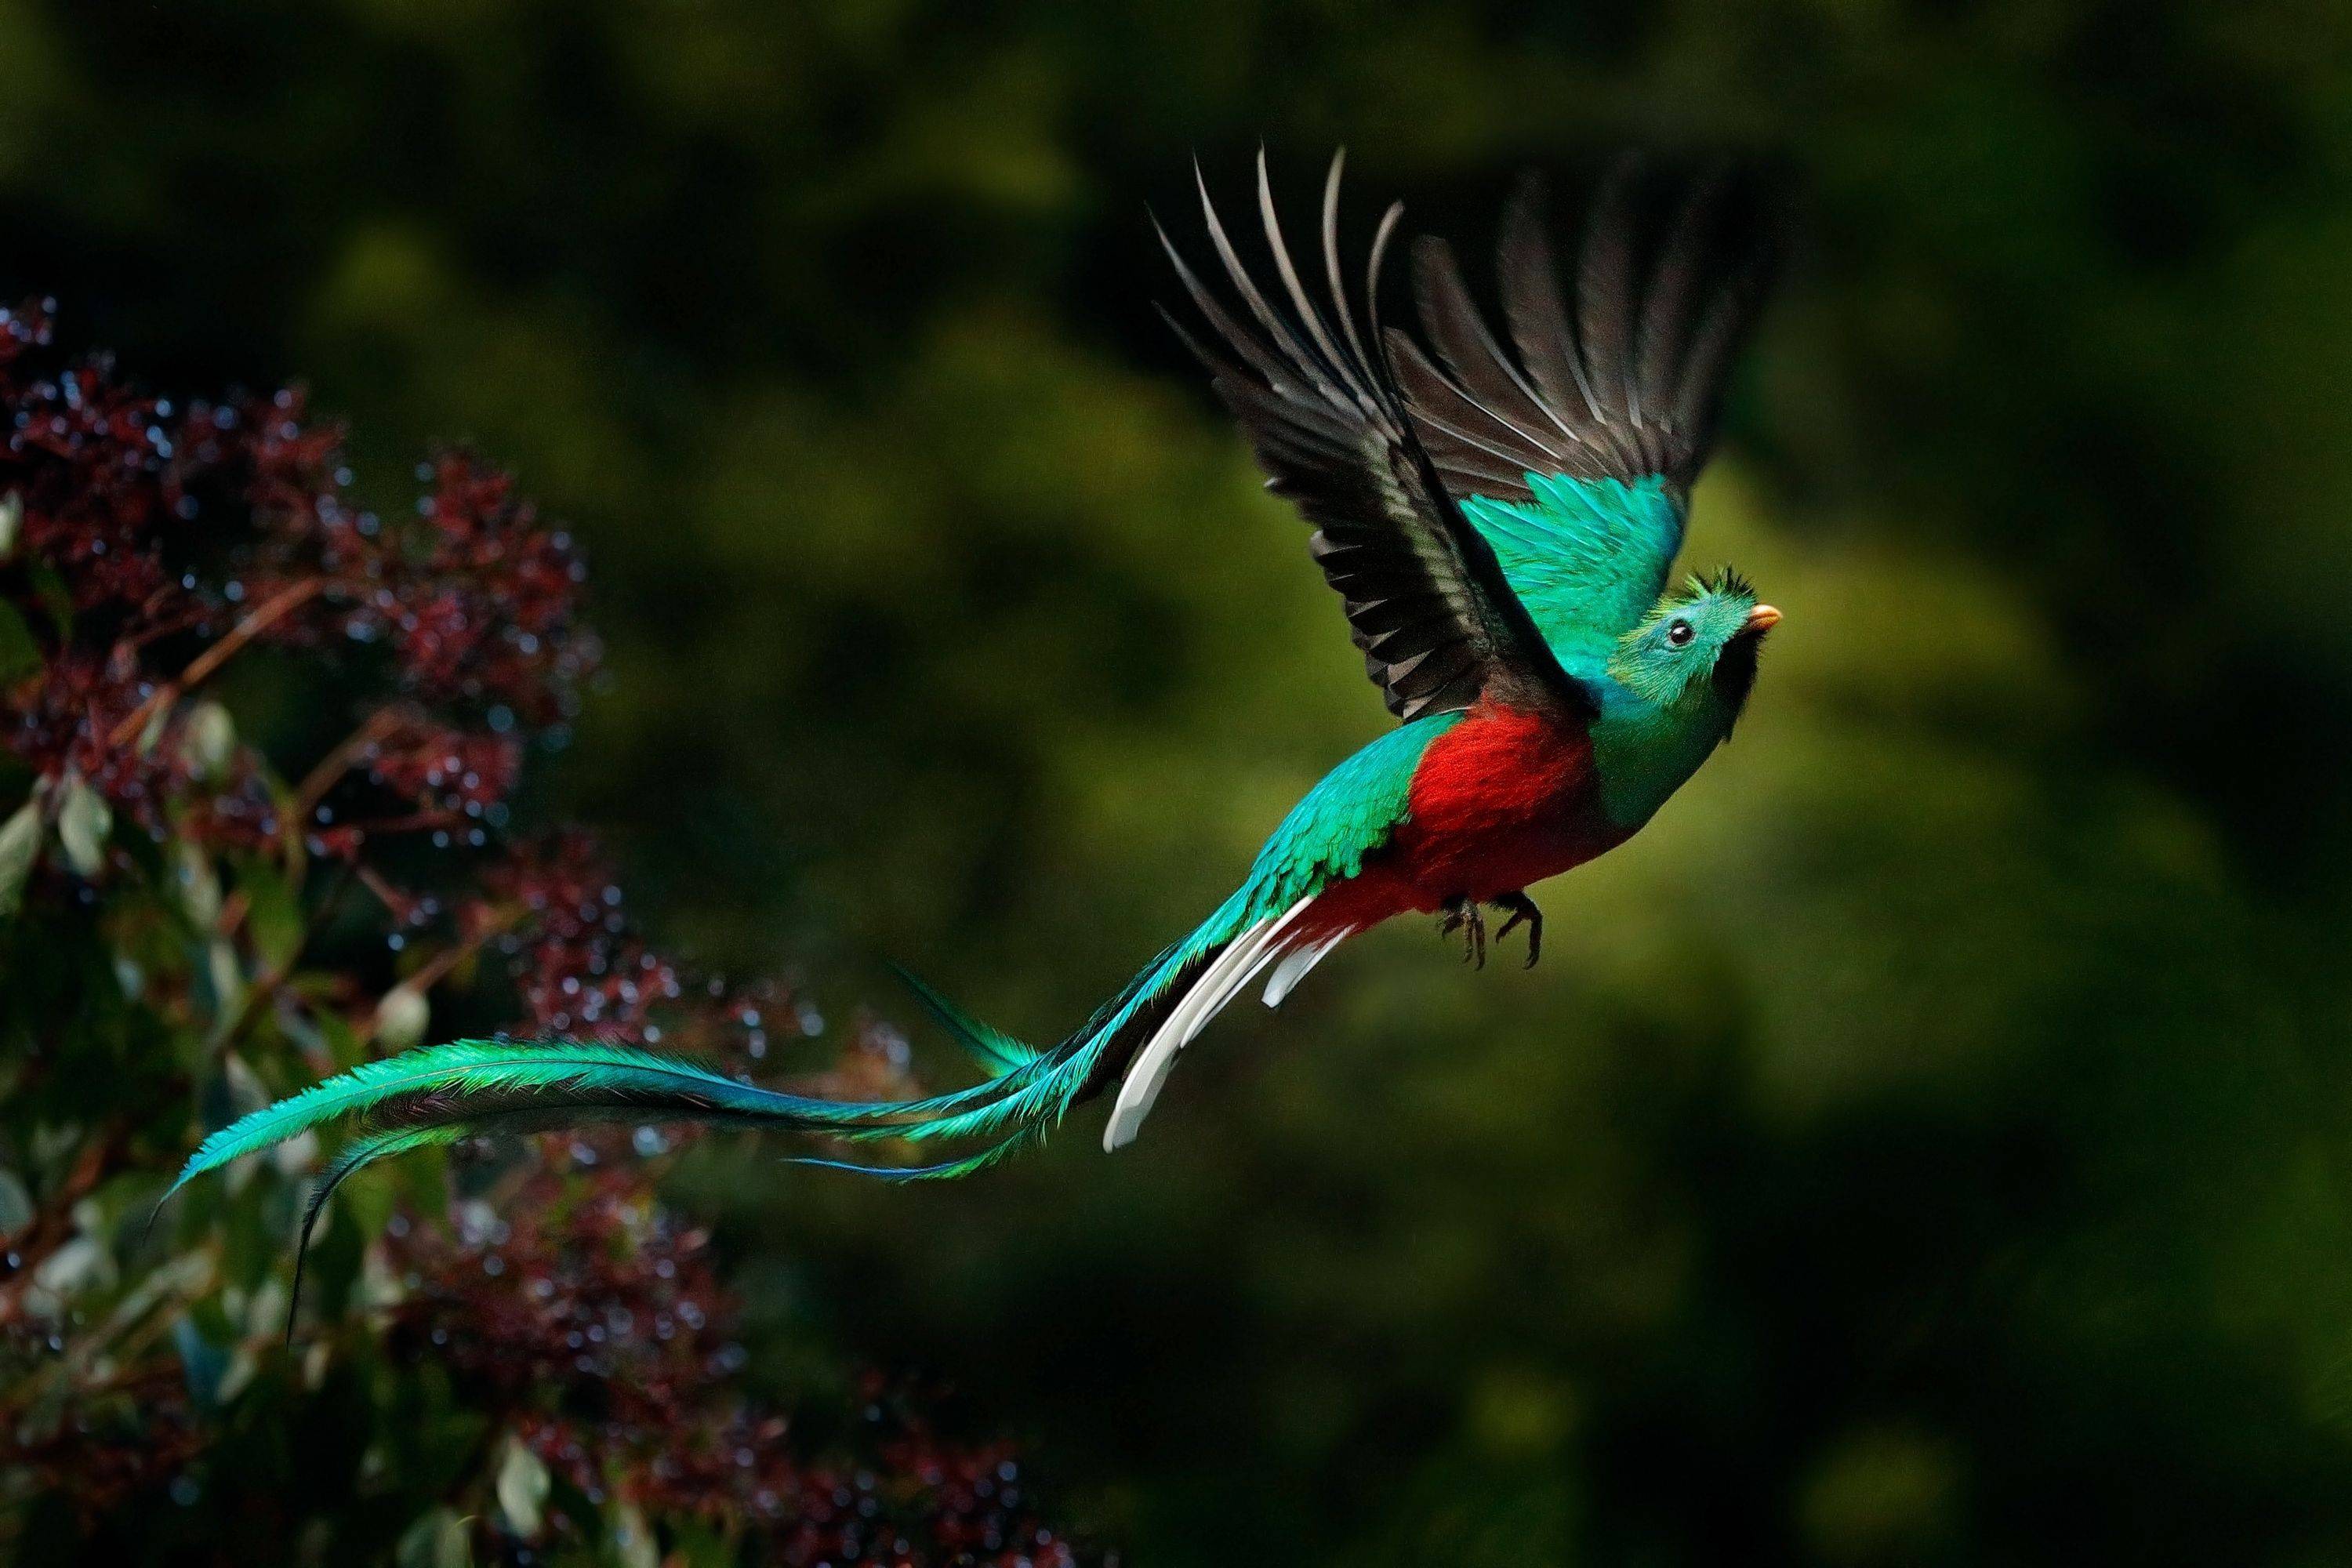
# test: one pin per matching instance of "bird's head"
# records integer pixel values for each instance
(1699, 644)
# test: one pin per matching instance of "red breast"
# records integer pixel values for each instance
(1503, 799)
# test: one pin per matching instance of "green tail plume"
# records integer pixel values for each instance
(443, 1094)
(995, 1049)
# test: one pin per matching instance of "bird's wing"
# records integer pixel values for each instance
(1574, 457)
(1426, 599)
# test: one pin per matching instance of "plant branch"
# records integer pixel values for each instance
(265, 615)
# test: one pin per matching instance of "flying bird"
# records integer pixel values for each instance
(1500, 525)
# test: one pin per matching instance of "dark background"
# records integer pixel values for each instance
(1927, 1143)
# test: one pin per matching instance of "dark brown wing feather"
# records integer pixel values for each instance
(1622, 379)
(1425, 600)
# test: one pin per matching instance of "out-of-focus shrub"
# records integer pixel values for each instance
(527, 1358)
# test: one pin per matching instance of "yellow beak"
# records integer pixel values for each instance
(1762, 618)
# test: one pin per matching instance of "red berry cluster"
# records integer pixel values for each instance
(577, 964)
(118, 1450)
(440, 768)
(597, 1329)
(99, 471)
(156, 541)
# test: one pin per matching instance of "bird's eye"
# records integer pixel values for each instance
(1679, 633)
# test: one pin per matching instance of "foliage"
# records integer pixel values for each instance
(534, 1358)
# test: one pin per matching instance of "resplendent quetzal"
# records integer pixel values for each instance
(1501, 528)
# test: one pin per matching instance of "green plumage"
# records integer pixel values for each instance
(432, 1086)
(992, 1047)
(1350, 813)
(442, 1093)
(1587, 557)
(1346, 816)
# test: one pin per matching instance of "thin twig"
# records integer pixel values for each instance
(53, 1224)
(437, 968)
(268, 987)
(337, 762)
(200, 668)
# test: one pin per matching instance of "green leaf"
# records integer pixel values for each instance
(343, 1043)
(20, 656)
(632, 1538)
(224, 983)
(83, 821)
(522, 1490)
(437, 1539)
(401, 1018)
(80, 1263)
(233, 1092)
(12, 521)
(16, 1202)
(20, 846)
(273, 914)
(203, 1362)
(198, 884)
(321, 1033)
(208, 741)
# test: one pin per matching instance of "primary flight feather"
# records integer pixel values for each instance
(1500, 524)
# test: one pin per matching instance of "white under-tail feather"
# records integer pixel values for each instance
(1295, 965)
(1219, 983)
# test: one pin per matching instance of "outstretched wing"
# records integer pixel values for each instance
(1426, 599)
(1575, 458)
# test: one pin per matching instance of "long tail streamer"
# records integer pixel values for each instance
(443, 1094)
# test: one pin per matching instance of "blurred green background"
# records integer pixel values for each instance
(1927, 1144)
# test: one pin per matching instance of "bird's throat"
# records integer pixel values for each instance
(1645, 751)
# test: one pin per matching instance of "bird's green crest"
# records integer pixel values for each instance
(1707, 630)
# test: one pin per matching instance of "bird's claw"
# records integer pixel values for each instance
(1463, 915)
(1523, 911)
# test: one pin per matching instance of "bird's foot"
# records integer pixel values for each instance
(1523, 911)
(1463, 915)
